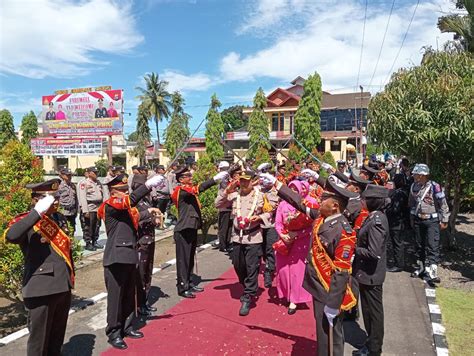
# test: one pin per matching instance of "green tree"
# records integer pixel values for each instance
(426, 113)
(7, 129)
(102, 166)
(142, 133)
(177, 132)
(294, 152)
(156, 98)
(133, 137)
(205, 170)
(329, 158)
(214, 131)
(233, 118)
(461, 25)
(258, 125)
(308, 115)
(29, 128)
(262, 156)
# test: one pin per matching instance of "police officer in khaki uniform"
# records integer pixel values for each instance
(68, 202)
(90, 197)
(429, 212)
(49, 274)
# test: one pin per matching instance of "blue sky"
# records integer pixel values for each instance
(228, 47)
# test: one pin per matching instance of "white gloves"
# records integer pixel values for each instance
(157, 181)
(220, 176)
(330, 314)
(310, 173)
(264, 167)
(43, 205)
(266, 179)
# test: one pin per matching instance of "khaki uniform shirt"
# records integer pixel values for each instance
(90, 195)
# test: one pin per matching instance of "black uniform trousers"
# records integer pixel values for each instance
(91, 234)
(322, 331)
(224, 229)
(396, 241)
(270, 236)
(47, 319)
(162, 204)
(71, 219)
(372, 312)
(146, 256)
(120, 285)
(427, 234)
(185, 241)
(84, 226)
(246, 261)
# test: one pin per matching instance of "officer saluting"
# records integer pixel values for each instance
(121, 256)
(327, 275)
(370, 267)
(49, 269)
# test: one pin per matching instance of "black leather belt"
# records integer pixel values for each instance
(248, 231)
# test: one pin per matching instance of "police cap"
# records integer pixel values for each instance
(375, 191)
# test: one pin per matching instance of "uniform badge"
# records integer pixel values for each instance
(54, 186)
(346, 249)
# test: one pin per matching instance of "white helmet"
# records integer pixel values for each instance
(421, 169)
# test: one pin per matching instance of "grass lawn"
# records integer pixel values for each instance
(457, 309)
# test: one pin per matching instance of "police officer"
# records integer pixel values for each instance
(101, 112)
(327, 275)
(90, 197)
(121, 257)
(224, 223)
(429, 212)
(185, 198)
(68, 202)
(82, 219)
(49, 274)
(370, 267)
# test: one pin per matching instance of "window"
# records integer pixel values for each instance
(335, 145)
(278, 121)
(275, 121)
(292, 117)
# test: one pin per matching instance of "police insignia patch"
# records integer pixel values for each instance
(346, 249)
(54, 186)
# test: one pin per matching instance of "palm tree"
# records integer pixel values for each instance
(461, 25)
(157, 98)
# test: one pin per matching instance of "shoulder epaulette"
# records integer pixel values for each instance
(377, 219)
(347, 227)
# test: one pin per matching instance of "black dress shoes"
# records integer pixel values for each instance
(97, 246)
(196, 289)
(90, 247)
(267, 279)
(134, 334)
(150, 308)
(244, 308)
(394, 269)
(187, 294)
(144, 311)
(291, 311)
(118, 343)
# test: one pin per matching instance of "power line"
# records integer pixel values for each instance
(383, 41)
(403, 42)
(362, 44)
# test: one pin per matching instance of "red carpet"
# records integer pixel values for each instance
(211, 325)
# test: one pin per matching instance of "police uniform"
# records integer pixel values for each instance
(328, 268)
(48, 274)
(370, 268)
(189, 221)
(68, 200)
(82, 219)
(146, 247)
(428, 207)
(90, 197)
(224, 221)
(120, 259)
(270, 235)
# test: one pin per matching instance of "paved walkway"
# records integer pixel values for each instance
(210, 325)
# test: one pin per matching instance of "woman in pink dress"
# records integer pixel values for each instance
(112, 112)
(294, 228)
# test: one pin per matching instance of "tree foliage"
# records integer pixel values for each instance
(29, 128)
(462, 25)
(7, 129)
(262, 156)
(308, 115)
(205, 170)
(142, 133)
(258, 126)
(156, 98)
(214, 131)
(294, 152)
(177, 132)
(426, 113)
(102, 166)
(233, 118)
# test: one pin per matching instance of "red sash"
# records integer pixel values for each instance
(57, 238)
(325, 266)
(360, 219)
(191, 189)
(120, 204)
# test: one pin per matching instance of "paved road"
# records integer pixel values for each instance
(407, 327)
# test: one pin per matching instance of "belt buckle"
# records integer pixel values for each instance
(424, 216)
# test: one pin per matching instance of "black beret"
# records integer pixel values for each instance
(91, 169)
(247, 174)
(181, 171)
(142, 168)
(120, 180)
(65, 171)
(49, 186)
(160, 166)
(361, 182)
(375, 191)
(332, 188)
(139, 179)
(118, 168)
(135, 167)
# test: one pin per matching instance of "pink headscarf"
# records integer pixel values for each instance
(303, 190)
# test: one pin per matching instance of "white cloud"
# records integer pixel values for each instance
(329, 41)
(185, 83)
(60, 38)
(19, 103)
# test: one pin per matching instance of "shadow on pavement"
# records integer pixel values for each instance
(81, 344)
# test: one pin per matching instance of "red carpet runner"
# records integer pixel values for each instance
(211, 325)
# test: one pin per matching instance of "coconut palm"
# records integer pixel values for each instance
(157, 98)
(461, 25)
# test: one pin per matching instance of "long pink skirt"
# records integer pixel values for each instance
(290, 270)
